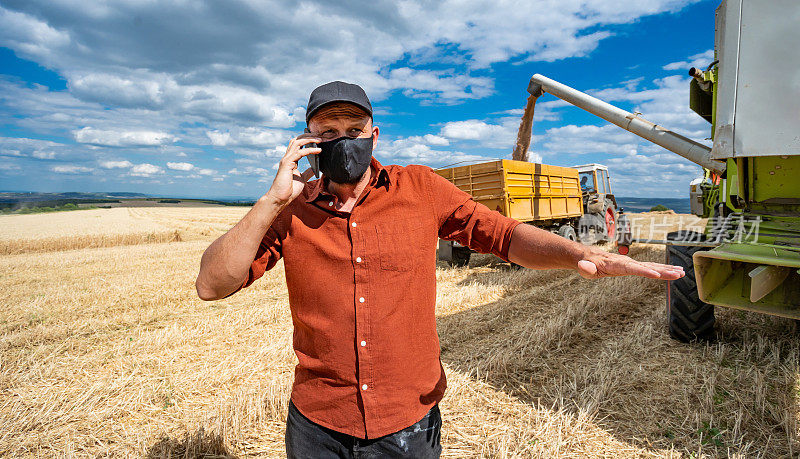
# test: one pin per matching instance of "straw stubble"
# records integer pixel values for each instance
(108, 351)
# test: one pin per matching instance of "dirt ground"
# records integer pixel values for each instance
(105, 350)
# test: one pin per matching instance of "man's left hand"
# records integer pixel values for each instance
(598, 263)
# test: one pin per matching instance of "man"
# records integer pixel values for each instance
(359, 254)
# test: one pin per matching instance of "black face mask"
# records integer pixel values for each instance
(344, 160)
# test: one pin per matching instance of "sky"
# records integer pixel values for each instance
(199, 99)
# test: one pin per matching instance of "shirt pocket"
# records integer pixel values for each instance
(399, 243)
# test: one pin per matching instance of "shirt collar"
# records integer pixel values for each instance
(319, 188)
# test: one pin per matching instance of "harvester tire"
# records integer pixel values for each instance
(689, 318)
(460, 256)
(567, 232)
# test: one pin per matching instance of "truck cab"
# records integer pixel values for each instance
(594, 178)
(599, 204)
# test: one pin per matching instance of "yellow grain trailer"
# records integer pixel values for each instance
(539, 194)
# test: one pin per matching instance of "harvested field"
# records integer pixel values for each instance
(54, 231)
(107, 351)
(656, 225)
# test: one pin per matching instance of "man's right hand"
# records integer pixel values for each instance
(289, 182)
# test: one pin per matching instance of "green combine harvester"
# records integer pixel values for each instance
(748, 257)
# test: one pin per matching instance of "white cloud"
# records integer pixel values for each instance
(414, 150)
(661, 174)
(219, 139)
(248, 137)
(180, 166)
(431, 139)
(145, 74)
(189, 167)
(471, 130)
(490, 135)
(71, 169)
(30, 36)
(254, 154)
(146, 170)
(444, 86)
(249, 170)
(31, 148)
(236, 61)
(123, 91)
(43, 154)
(114, 138)
(700, 61)
(572, 139)
(115, 164)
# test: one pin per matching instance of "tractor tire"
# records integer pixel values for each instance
(567, 232)
(689, 318)
(610, 218)
(460, 257)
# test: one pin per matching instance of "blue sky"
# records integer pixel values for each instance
(200, 99)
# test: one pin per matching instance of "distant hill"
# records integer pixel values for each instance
(19, 196)
(14, 201)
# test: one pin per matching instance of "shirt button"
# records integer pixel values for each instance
(363, 387)
(330, 203)
(358, 259)
(354, 224)
(361, 300)
(363, 343)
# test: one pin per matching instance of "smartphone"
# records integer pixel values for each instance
(313, 160)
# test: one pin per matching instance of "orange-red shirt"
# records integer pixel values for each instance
(362, 292)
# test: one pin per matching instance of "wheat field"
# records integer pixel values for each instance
(106, 351)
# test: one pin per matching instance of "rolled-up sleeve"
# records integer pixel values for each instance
(267, 255)
(468, 222)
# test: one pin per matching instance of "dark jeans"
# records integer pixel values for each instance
(306, 439)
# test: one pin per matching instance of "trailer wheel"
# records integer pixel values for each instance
(567, 232)
(611, 223)
(460, 256)
(689, 318)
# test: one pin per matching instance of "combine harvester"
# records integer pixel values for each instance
(748, 257)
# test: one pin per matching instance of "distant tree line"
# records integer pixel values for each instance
(40, 209)
(208, 201)
(30, 207)
(8, 206)
(238, 203)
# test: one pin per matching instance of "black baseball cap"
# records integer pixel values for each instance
(337, 91)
